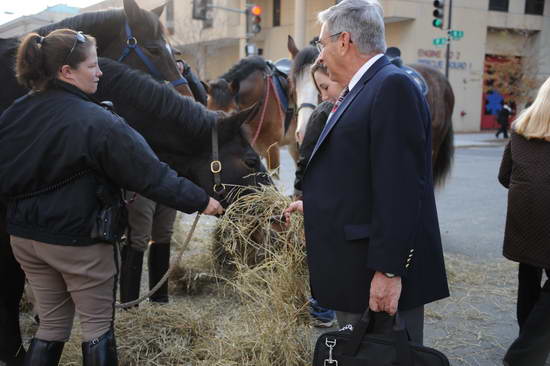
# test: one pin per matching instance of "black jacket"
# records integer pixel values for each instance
(315, 126)
(61, 135)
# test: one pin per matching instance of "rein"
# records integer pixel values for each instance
(132, 45)
(264, 108)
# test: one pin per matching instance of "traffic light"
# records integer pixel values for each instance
(438, 13)
(254, 13)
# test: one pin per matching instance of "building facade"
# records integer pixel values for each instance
(27, 23)
(501, 58)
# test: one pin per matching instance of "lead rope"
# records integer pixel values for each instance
(167, 274)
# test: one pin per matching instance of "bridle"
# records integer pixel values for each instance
(272, 80)
(132, 45)
(216, 165)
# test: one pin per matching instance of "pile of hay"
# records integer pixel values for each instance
(152, 335)
(252, 229)
(270, 279)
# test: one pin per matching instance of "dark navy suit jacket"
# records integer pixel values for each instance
(368, 196)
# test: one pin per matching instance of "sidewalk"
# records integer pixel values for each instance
(477, 139)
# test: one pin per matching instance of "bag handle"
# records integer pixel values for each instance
(399, 334)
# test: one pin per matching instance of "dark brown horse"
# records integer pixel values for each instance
(131, 35)
(437, 89)
(255, 81)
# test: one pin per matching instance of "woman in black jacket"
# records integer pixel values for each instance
(525, 171)
(63, 162)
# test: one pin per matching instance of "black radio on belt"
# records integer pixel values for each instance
(112, 218)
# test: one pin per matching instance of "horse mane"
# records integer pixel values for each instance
(130, 87)
(87, 22)
(244, 68)
(305, 58)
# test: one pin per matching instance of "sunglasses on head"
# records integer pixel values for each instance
(79, 37)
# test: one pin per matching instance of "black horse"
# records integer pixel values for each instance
(179, 130)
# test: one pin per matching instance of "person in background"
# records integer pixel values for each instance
(328, 93)
(525, 171)
(503, 120)
(63, 162)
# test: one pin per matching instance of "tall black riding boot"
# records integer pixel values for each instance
(532, 346)
(43, 353)
(100, 351)
(159, 261)
(130, 273)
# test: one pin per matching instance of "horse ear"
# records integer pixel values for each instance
(229, 124)
(132, 10)
(234, 87)
(291, 45)
(158, 10)
(206, 86)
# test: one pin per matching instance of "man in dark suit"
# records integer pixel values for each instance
(371, 224)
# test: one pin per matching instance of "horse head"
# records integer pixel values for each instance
(305, 91)
(181, 131)
(142, 44)
(253, 81)
(221, 96)
(228, 164)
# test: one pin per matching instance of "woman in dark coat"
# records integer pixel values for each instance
(63, 162)
(525, 171)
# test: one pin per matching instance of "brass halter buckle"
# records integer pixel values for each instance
(216, 166)
(219, 189)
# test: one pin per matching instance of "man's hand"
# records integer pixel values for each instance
(294, 206)
(384, 293)
(214, 208)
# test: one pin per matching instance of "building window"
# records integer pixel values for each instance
(276, 13)
(498, 5)
(535, 7)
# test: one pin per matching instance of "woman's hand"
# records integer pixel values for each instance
(214, 208)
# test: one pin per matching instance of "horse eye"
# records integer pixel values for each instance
(251, 163)
(154, 51)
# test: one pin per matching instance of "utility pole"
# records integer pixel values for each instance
(449, 28)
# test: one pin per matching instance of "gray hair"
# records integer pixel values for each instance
(363, 19)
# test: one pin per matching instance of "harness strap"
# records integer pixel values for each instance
(264, 108)
(132, 44)
(215, 164)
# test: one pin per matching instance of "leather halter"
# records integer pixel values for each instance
(306, 105)
(132, 45)
(216, 165)
(272, 81)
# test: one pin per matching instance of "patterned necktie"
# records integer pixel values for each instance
(340, 99)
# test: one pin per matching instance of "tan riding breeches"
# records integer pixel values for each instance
(65, 279)
(148, 220)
